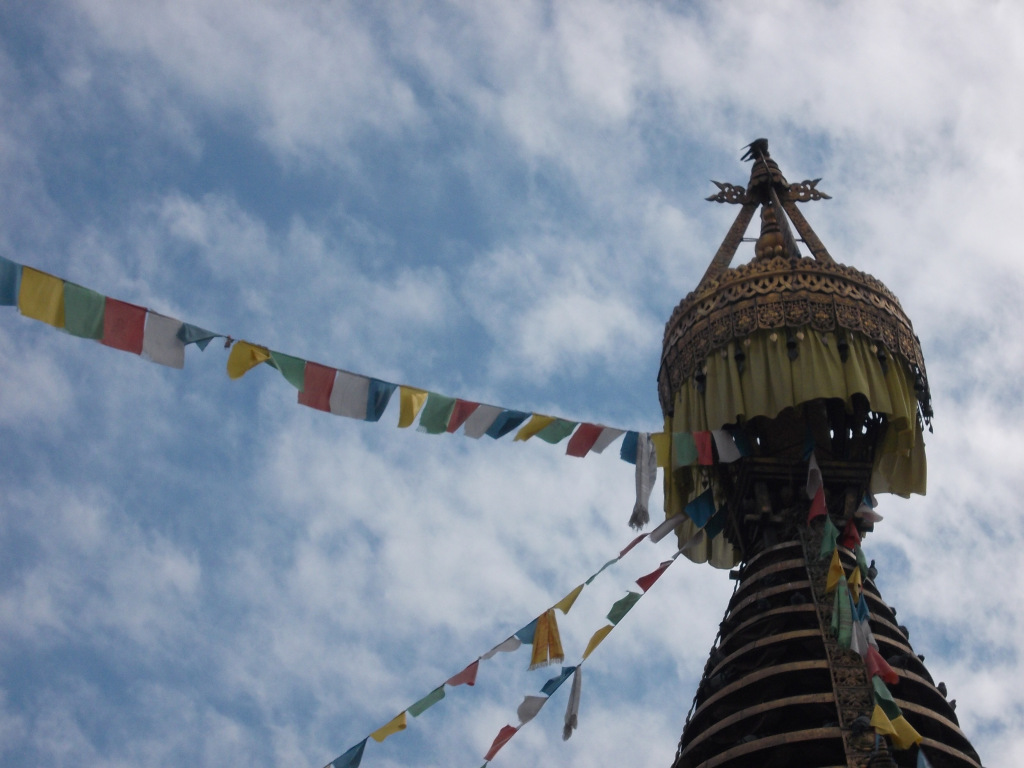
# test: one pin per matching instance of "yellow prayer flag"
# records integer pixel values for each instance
(881, 723)
(547, 643)
(412, 402)
(598, 636)
(905, 734)
(396, 725)
(41, 297)
(854, 582)
(533, 426)
(245, 356)
(566, 602)
(835, 572)
(663, 447)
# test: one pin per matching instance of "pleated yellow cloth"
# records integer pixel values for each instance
(769, 383)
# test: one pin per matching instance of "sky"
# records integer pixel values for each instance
(496, 201)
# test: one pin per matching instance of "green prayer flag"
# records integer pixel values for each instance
(426, 702)
(610, 562)
(292, 368)
(557, 431)
(436, 413)
(829, 538)
(884, 699)
(83, 311)
(622, 606)
(842, 615)
(685, 449)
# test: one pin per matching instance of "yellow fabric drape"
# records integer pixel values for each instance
(769, 383)
(547, 643)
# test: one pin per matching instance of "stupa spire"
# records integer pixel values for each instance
(815, 372)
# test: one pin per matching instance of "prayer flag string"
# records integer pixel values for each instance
(162, 339)
(542, 634)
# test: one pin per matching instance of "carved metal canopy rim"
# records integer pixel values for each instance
(775, 293)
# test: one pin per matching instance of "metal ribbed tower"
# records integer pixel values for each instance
(799, 357)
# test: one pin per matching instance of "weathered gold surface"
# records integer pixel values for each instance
(774, 293)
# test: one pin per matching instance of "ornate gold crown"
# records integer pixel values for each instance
(780, 289)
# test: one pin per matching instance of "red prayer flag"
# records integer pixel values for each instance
(463, 410)
(318, 381)
(705, 456)
(466, 676)
(851, 536)
(506, 733)
(632, 544)
(818, 507)
(878, 666)
(124, 326)
(645, 582)
(584, 439)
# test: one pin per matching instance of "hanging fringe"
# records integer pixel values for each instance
(646, 474)
(572, 709)
(547, 644)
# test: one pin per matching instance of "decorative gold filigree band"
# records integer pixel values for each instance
(775, 293)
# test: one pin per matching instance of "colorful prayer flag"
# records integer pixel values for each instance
(627, 451)
(596, 638)
(193, 334)
(547, 643)
(292, 368)
(412, 401)
(553, 684)
(536, 423)
(583, 440)
(377, 398)
(622, 606)
(646, 582)
(835, 572)
(701, 508)
(829, 538)
(529, 708)
(727, 450)
(463, 410)
(10, 282)
(41, 297)
(436, 413)
(244, 356)
(160, 342)
(705, 456)
(317, 385)
(426, 702)
(466, 676)
(818, 507)
(505, 646)
(124, 326)
(481, 419)
(398, 723)
(506, 733)
(83, 311)
(350, 395)
(608, 436)
(684, 449)
(557, 431)
(565, 604)
(505, 422)
(351, 758)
